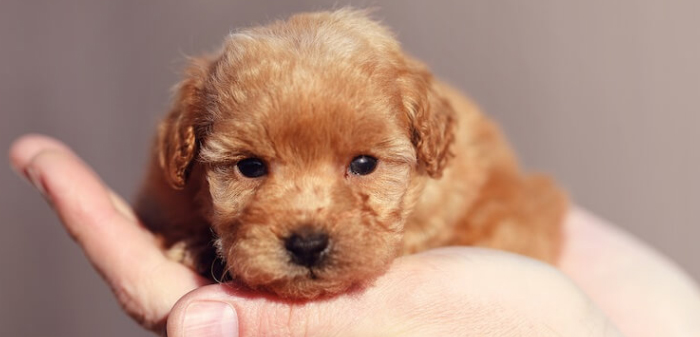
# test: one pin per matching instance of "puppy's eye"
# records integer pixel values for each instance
(362, 165)
(252, 167)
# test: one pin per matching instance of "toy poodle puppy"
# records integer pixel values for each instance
(307, 154)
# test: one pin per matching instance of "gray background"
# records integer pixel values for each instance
(601, 94)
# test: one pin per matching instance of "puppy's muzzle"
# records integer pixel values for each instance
(307, 246)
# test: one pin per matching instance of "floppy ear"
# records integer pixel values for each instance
(178, 133)
(431, 119)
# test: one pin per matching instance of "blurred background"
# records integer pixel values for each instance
(603, 95)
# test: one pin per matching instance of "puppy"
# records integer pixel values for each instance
(306, 155)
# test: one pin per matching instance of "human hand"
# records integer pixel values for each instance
(450, 291)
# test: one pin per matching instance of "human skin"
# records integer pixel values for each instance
(607, 283)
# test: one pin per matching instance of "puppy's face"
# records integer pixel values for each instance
(314, 153)
(309, 186)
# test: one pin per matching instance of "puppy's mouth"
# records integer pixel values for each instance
(316, 271)
(313, 275)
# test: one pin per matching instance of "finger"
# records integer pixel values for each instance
(123, 252)
(447, 292)
(82, 202)
(28, 146)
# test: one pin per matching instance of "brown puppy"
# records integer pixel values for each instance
(309, 153)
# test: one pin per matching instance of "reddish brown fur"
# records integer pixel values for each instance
(307, 95)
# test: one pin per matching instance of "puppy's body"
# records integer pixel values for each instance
(483, 199)
(305, 98)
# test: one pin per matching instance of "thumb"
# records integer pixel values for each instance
(205, 312)
(222, 310)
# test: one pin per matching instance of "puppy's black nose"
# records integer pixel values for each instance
(307, 246)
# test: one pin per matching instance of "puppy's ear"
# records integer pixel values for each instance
(431, 119)
(177, 143)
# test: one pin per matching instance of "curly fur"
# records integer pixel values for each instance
(307, 95)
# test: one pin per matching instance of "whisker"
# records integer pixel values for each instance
(222, 277)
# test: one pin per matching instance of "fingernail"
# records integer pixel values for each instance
(34, 178)
(210, 319)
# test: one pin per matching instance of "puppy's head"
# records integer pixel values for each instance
(316, 135)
